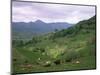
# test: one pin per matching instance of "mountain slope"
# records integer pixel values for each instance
(85, 26)
(68, 49)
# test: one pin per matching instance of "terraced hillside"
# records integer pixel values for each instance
(68, 49)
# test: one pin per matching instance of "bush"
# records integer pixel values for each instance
(57, 62)
(38, 49)
(68, 60)
(26, 61)
(18, 43)
(14, 59)
(71, 55)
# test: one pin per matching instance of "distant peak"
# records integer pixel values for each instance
(39, 21)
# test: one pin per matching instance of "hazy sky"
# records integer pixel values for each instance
(26, 12)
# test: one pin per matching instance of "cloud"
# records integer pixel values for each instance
(26, 11)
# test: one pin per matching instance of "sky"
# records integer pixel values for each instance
(30, 12)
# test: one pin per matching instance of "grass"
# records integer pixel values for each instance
(75, 47)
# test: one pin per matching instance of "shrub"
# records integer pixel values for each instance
(57, 62)
(26, 61)
(68, 60)
(38, 49)
(14, 59)
(71, 55)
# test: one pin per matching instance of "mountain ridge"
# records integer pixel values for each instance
(37, 27)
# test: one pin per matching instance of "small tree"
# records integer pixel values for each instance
(56, 30)
(20, 43)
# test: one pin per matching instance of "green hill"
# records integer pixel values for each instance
(68, 49)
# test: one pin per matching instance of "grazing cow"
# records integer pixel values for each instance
(77, 62)
(39, 58)
(26, 66)
(29, 66)
(47, 64)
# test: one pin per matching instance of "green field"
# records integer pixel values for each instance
(68, 49)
